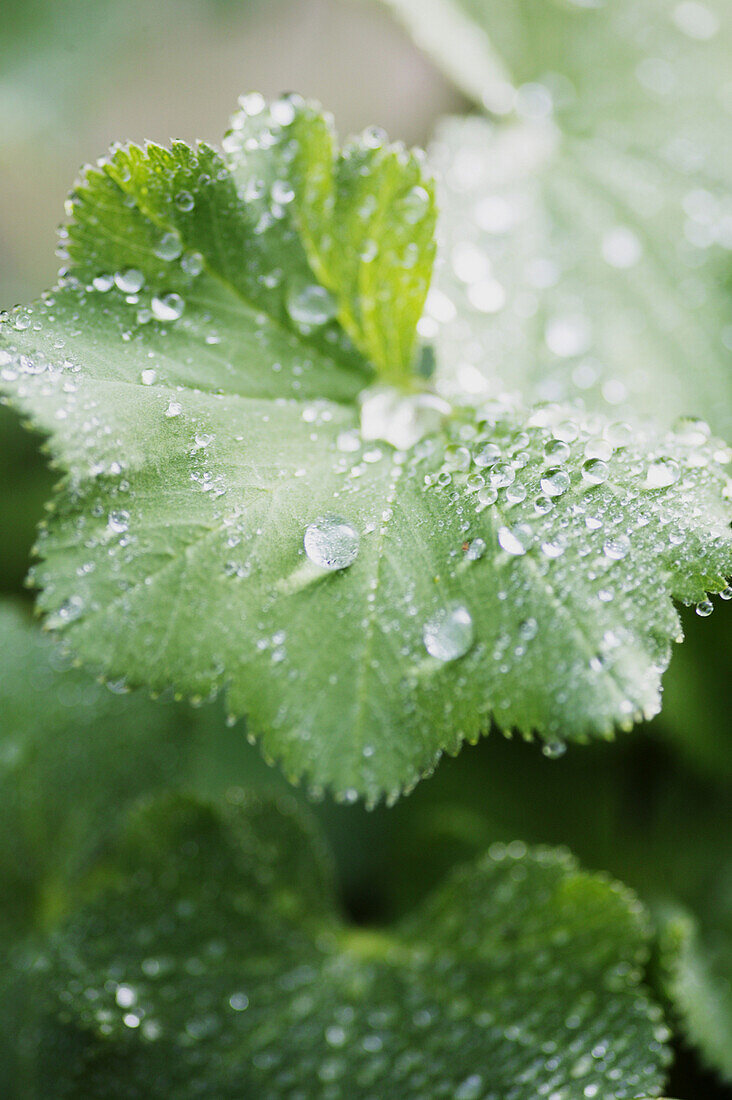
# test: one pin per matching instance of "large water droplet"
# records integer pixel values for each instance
(449, 633)
(512, 541)
(331, 543)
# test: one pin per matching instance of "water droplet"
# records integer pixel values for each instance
(692, 431)
(169, 247)
(184, 201)
(130, 281)
(415, 205)
(168, 307)
(704, 608)
(148, 376)
(399, 419)
(310, 305)
(568, 336)
(471, 1088)
(283, 110)
(332, 543)
(556, 450)
(595, 471)
(621, 248)
(476, 550)
(662, 473)
(103, 283)
(118, 522)
(174, 409)
(555, 482)
(449, 633)
(487, 456)
(511, 540)
(696, 20)
(192, 263)
(554, 749)
(616, 548)
(502, 474)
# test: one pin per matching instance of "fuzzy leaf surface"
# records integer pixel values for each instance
(211, 959)
(513, 563)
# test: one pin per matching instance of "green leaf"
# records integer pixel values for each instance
(372, 576)
(211, 960)
(367, 218)
(695, 962)
(584, 235)
(73, 757)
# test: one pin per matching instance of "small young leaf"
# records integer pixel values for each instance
(367, 219)
(210, 961)
(371, 574)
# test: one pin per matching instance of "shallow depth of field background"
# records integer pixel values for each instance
(76, 75)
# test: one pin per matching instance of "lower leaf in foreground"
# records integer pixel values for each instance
(210, 960)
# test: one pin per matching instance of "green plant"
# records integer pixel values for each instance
(378, 509)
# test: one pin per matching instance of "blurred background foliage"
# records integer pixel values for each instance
(652, 808)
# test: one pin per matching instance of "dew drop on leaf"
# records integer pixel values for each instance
(169, 247)
(704, 608)
(595, 471)
(310, 305)
(662, 473)
(168, 307)
(184, 201)
(554, 749)
(129, 281)
(331, 543)
(476, 550)
(511, 541)
(555, 482)
(616, 548)
(449, 633)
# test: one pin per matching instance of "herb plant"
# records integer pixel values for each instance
(370, 451)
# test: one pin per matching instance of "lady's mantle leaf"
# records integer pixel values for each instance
(586, 232)
(237, 515)
(211, 961)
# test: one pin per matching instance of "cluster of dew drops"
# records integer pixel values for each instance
(595, 489)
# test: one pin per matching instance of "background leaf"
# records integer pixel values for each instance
(695, 960)
(445, 1002)
(584, 236)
